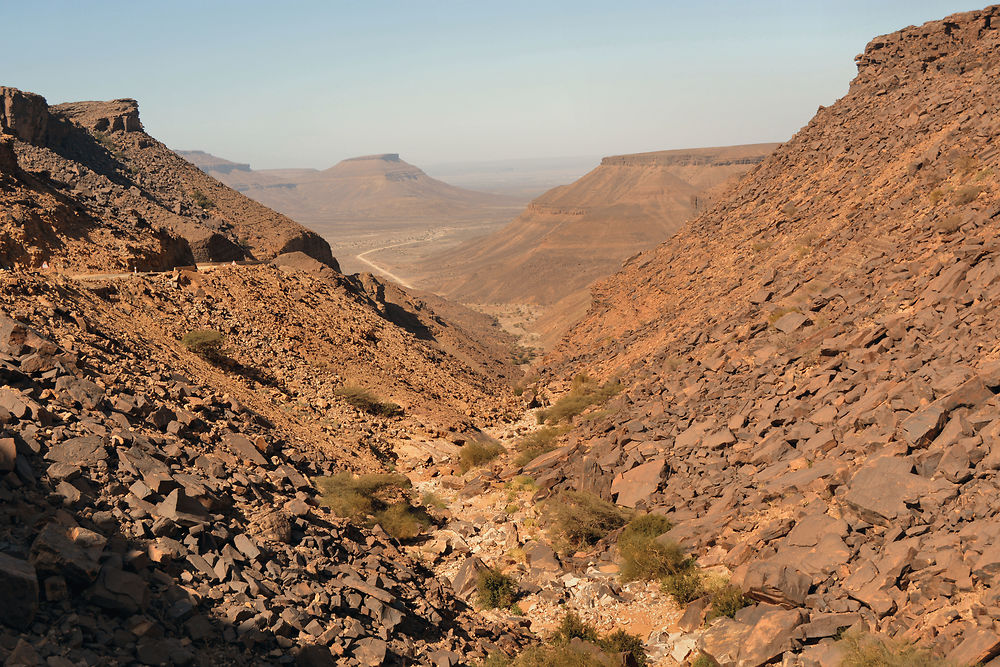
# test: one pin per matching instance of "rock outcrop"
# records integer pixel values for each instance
(90, 168)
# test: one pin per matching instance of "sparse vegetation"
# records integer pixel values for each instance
(431, 499)
(967, 194)
(577, 519)
(685, 585)
(643, 557)
(760, 246)
(936, 195)
(868, 650)
(201, 200)
(366, 401)
(591, 649)
(789, 210)
(475, 453)
(778, 313)
(967, 164)
(949, 224)
(726, 601)
(206, 343)
(378, 498)
(536, 443)
(495, 590)
(703, 661)
(583, 393)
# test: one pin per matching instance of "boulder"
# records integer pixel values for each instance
(776, 584)
(638, 483)
(18, 592)
(70, 551)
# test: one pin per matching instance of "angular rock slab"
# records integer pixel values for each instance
(638, 483)
(18, 592)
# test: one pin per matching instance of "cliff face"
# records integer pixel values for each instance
(820, 349)
(108, 196)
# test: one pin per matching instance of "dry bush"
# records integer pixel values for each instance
(949, 224)
(583, 393)
(206, 343)
(967, 194)
(726, 601)
(366, 401)
(577, 519)
(475, 453)
(201, 200)
(378, 498)
(868, 650)
(536, 443)
(643, 557)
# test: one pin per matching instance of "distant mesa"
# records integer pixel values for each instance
(577, 233)
(208, 162)
(379, 188)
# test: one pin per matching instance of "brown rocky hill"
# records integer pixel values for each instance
(812, 368)
(369, 188)
(158, 507)
(577, 233)
(89, 189)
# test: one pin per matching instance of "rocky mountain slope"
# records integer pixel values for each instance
(812, 368)
(368, 188)
(90, 190)
(159, 505)
(577, 233)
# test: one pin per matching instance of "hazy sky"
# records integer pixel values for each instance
(308, 83)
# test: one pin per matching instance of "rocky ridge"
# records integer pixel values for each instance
(812, 369)
(93, 191)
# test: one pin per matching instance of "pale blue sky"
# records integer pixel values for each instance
(308, 83)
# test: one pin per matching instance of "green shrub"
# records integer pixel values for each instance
(573, 627)
(703, 661)
(726, 601)
(583, 393)
(206, 343)
(643, 557)
(684, 586)
(494, 590)
(364, 400)
(577, 519)
(475, 453)
(867, 650)
(378, 498)
(536, 443)
(431, 499)
(620, 641)
(201, 200)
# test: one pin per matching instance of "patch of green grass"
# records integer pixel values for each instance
(495, 590)
(703, 661)
(206, 343)
(868, 650)
(577, 519)
(476, 453)
(366, 401)
(584, 392)
(536, 443)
